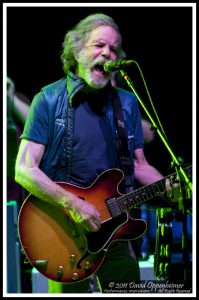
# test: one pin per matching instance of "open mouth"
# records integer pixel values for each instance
(99, 69)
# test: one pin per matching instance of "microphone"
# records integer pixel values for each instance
(113, 65)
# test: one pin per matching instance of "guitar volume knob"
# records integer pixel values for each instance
(72, 257)
(75, 276)
(60, 272)
(87, 265)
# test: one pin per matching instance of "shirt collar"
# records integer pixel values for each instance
(74, 85)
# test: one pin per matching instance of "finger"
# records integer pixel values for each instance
(168, 188)
(168, 185)
(176, 180)
(171, 183)
(92, 225)
(95, 225)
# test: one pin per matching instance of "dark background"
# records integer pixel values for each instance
(158, 38)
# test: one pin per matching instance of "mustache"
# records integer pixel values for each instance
(98, 61)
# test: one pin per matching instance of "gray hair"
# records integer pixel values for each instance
(76, 38)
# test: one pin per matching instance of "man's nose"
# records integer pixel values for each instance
(106, 52)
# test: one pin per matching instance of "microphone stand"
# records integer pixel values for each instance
(185, 183)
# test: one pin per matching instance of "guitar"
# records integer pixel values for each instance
(63, 250)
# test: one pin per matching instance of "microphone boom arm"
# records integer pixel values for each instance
(162, 136)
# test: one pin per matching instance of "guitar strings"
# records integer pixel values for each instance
(137, 196)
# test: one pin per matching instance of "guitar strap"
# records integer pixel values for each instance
(66, 154)
(123, 144)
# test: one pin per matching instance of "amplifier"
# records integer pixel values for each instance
(147, 269)
(13, 250)
(39, 282)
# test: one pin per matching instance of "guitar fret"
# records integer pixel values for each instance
(145, 193)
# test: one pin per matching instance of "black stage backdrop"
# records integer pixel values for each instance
(158, 38)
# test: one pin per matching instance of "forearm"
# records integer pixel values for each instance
(147, 174)
(37, 183)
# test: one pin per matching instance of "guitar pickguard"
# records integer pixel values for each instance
(100, 240)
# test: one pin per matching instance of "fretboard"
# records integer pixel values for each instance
(146, 193)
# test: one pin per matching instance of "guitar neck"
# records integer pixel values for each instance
(145, 193)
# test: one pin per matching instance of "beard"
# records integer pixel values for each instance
(94, 76)
(93, 81)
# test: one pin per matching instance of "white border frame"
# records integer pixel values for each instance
(5, 5)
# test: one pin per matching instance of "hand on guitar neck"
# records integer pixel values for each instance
(176, 193)
(173, 189)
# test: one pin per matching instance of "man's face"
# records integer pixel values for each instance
(102, 45)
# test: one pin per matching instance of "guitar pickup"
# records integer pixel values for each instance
(113, 207)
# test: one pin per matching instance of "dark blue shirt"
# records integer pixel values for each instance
(94, 140)
(94, 148)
